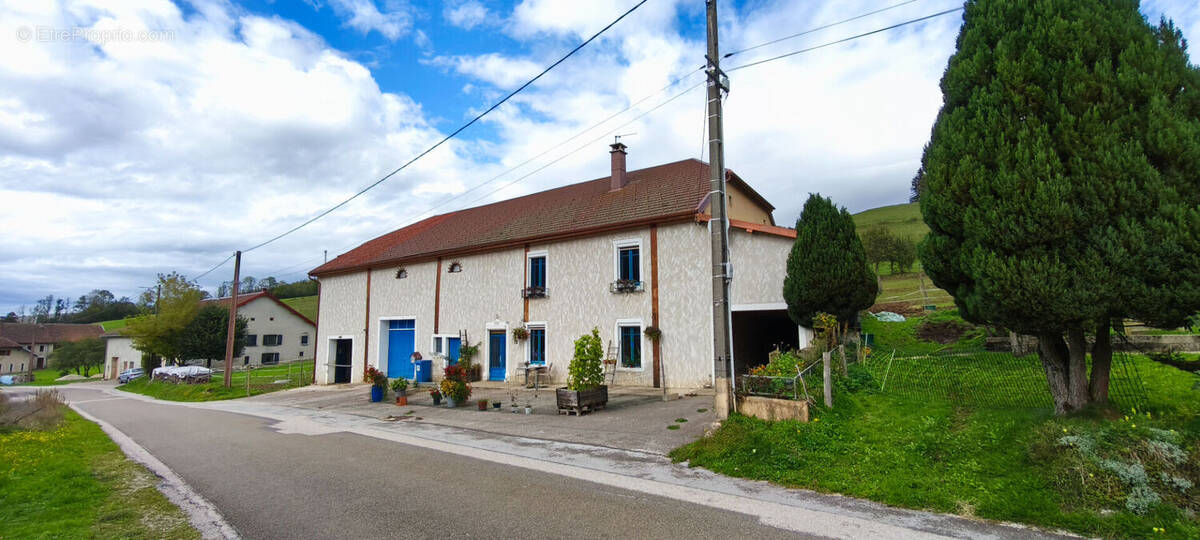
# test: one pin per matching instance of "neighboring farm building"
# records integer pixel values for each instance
(40, 339)
(119, 354)
(275, 332)
(13, 357)
(620, 253)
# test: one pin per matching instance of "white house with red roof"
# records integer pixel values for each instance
(275, 332)
(620, 253)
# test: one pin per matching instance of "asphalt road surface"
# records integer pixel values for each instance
(340, 485)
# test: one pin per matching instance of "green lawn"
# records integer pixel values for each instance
(903, 220)
(262, 381)
(306, 305)
(73, 482)
(115, 324)
(46, 377)
(925, 451)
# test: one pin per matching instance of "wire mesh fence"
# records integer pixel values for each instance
(989, 379)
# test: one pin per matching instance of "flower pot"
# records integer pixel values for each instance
(437, 399)
(482, 404)
(450, 402)
(376, 394)
(577, 401)
(401, 399)
(496, 405)
(528, 410)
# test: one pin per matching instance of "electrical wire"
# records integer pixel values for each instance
(452, 134)
(818, 29)
(843, 40)
(210, 270)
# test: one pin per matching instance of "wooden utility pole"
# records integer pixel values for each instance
(229, 334)
(721, 274)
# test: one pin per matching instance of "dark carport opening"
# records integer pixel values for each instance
(757, 333)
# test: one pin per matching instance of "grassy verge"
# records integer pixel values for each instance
(263, 381)
(71, 481)
(46, 377)
(306, 305)
(115, 324)
(1104, 472)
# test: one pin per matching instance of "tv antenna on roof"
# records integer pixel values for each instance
(617, 138)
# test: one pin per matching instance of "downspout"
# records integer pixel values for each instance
(525, 280)
(658, 382)
(437, 297)
(317, 334)
(367, 325)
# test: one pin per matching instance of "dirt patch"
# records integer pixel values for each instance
(903, 308)
(944, 332)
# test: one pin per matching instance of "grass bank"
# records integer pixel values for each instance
(306, 305)
(72, 481)
(48, 376)
(1105, 472)
(262, 381)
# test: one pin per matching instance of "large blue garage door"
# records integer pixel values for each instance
(402, 340)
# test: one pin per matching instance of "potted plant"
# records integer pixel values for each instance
(378, 380)
(496, 405)
(465, 355)
(653, 332)
(400, 387)
(519, 334)
(437, 396)
(454, 385)
(585, 377)
(482, 404)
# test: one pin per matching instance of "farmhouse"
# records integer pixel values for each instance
(274, 332)
(119, 354)
(13, 357)
(40, 339)
(620, 253)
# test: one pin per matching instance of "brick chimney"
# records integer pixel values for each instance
(619, 178)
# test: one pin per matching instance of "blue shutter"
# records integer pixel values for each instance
(537, 272)
(537, 346)
(630, 264)
(631, 347)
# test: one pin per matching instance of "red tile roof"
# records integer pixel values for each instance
(674, 191)
(752, 227)
(244, 299)
(26, 333)
(6, 343)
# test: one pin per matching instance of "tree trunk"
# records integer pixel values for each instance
(1077, 369)
(1053, 353)
(1101, 363)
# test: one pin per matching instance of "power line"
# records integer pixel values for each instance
(210, 270)
(843, 40)
(453, 134)
(819, 28)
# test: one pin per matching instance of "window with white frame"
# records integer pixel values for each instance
(272, 340)
(304, 339)
(535, 283)
(628, 260)
(629, 338)
(446, 346)
(537, 345)
(252, 340)
(270, 358)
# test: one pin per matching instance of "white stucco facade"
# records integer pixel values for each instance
(14, 360)
(267, 317)
(486, 296)
(119, 355)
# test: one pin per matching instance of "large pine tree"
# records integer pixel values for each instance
(827, 269)
(1061, 184)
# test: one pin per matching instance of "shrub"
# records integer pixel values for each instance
(400, 385)
(454, 383)
(375, 377)
(587, 369)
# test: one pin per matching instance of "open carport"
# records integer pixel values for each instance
(758, 330)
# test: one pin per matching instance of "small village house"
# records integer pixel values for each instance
(14, 358)
(41, 339)
(619, 253)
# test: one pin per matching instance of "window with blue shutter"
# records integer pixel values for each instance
(537, 271)
(537, 346)
(631, 346)
(630, 263)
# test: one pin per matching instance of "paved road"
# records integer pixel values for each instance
(340, 485)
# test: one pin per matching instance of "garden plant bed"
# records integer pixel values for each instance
(572, 401)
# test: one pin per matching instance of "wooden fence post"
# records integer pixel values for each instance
(842, 352)
(827, 375)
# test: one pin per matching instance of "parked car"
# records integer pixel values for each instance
(130, 374)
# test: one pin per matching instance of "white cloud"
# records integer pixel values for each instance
(466, 15)
(364, 16)
(492, 68)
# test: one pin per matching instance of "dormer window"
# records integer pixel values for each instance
(455, 267)
(401, 273)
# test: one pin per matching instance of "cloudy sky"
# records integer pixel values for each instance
(147, 136)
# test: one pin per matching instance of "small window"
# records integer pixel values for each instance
(304, 339)
(455, 267)
(401, 273)
(270, 358)
(251, 340)
(631, 346)
(5, 352)
(272, 340)
(537, 271)
(252, 318)
(537, 346)
(301, 354)
(41, 348)
(271, 319)
(629, 264)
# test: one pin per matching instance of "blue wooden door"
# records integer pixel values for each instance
(496, 343)
(452, 350)
(402, 342)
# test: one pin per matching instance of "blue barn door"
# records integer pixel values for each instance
(452, 350)
(496, 343)
(402, 340)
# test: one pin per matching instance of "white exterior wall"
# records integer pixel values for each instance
(342, 314)
(16, 361)
(264, 316)
(119, 355)
(486, 294)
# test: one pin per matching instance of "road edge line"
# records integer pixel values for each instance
(202, 514)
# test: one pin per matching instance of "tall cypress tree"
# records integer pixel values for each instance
(1061, 183)
(827, 269)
